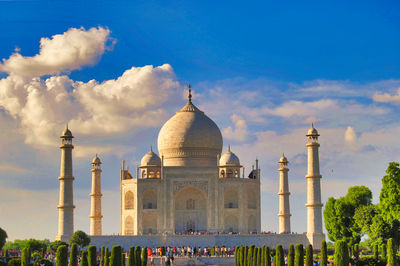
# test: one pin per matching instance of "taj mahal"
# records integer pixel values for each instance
(193, 190)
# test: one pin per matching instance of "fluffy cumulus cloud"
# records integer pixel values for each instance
(350, 136)
(238, 131)
(42, 107)
(68, 51)
(384, 97)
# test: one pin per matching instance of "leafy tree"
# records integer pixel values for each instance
(43, 262)
(291, 255)
(62, 256)
(339, 214)
(80, 238)
(324, 254)
(309, 255)
(73, 255)
(92, 256)
(3, 237)
(299, 255)
(391, 253)
(54, 245)
(341, 253)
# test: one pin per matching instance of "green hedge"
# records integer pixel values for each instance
(62, 256)
(73, 255)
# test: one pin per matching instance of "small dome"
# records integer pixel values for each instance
(283, 159)
(312, 131)
(229, 158)
(96, 160)
(150, 159)
(66, 133)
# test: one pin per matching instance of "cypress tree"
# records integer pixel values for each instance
(324, 253)
(255, 256)
(62, 256)
(115, 256)
(73, 255)
(391, 253)
(309, 255)
(123, 259)
(138, 260)
(236, 256)
(131, 257)
(280, 256)
(356, 252)
(299, 255)
(267, 257)
(24, 257)
(341, 253)
(244, 256)
(102, 256)
(291, 255)
(84, 259)
(258, 256)
(106, 257)
(376, 252)
(383, 252)
(262, 255)
(92, 256)
(250, 256)
(144, 256)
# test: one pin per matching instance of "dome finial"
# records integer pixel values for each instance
(229, 148)
(151, 148)
(190, 93)
(312, 124)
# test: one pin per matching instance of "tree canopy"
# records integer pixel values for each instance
(80, 238)
(3, 237)
(339, 214)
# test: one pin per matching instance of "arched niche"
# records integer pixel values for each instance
(149, 199)
(129, 200)
(231, 199)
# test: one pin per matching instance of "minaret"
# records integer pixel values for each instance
(314, 205)
(66, 201)
(284, 207)
(95, 196)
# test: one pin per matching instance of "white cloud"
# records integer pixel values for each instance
(387, 98)
(62, 52)
(239, 131)
(350, 136)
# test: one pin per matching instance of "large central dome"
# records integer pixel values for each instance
(190, 138)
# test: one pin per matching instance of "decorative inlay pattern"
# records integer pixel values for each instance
(202, 185)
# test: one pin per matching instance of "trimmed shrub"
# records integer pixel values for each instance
(73, 255)
(84, 259)
(341, 253)
(324, 254)
(356, 252)
(391, 253)
(309, 255)
(43, 262)
(212, 251)
(236, 256)
(131, 257)
(376, 252)
(62, 256)
(122, 259)
(244, 258)
(138, 260)
(280, 256)
(115, 256)
(144, 256)
(92, 256)
(14, 262)
(291, 255)
(299, 255)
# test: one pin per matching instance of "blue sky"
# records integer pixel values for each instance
(263, 71)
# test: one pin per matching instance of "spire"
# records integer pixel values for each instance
(151, 148)
(229, 148)
(190, 94)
